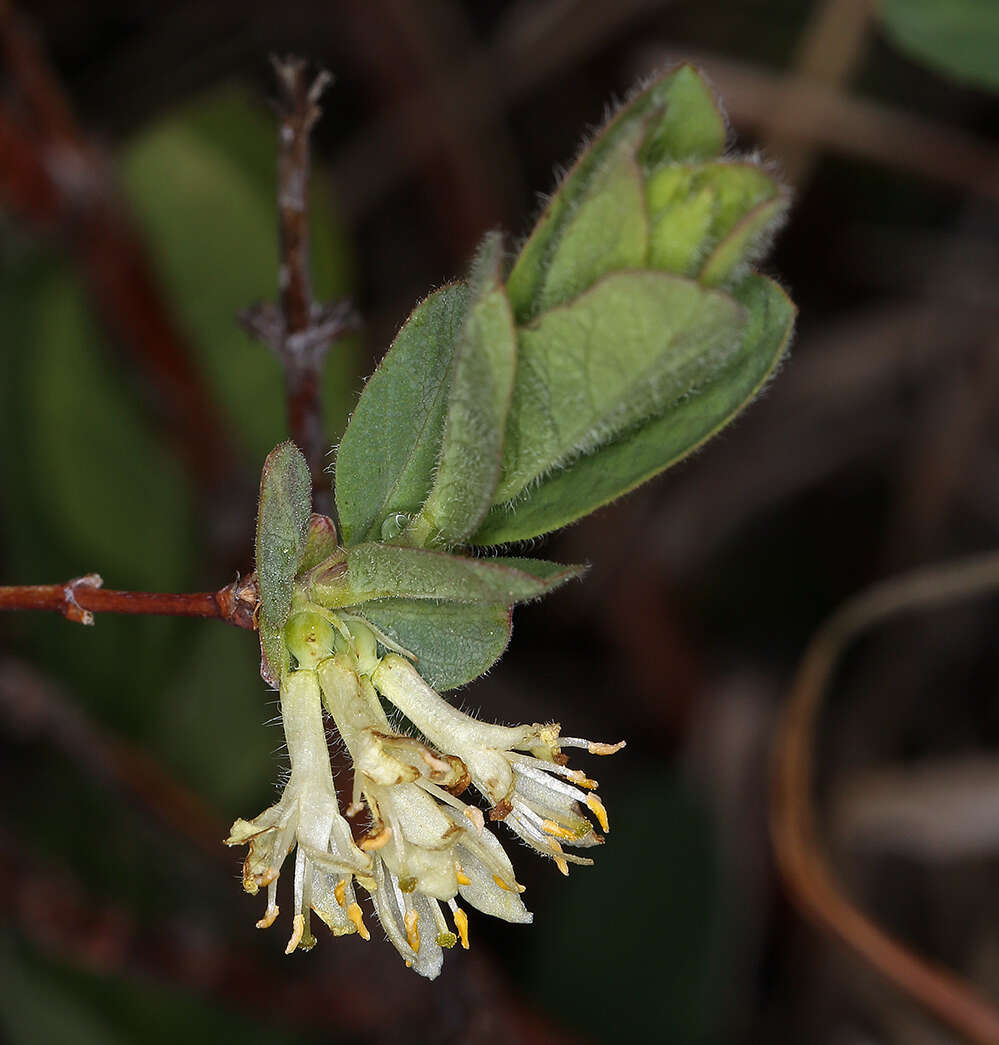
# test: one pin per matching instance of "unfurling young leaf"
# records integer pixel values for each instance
(386, 460)
(478, 399)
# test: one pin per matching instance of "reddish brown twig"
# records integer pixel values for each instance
(799, 856)
(79, 599)
(301, 331)
(51, 176)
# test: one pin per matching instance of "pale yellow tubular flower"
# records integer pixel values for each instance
(429, 849)
(520, 769)
(307, 816)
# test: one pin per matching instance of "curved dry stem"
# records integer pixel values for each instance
(800, 859)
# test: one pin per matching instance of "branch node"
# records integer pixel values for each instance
(239, 602)
(70, 608)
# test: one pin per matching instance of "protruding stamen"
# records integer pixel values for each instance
(515, 888)
(460, 923)
(301, 867)
(558, 831)
(553, 783)
(561, 864)
(298, 928)
(594, 747)
(412, 920)
(272, 908)
(596, 807)
(269, 915)
(445, 938)
(340, 891)
(354, 914)
(524, 762)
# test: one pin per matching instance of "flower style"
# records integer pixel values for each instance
(307, 816)
(521, 770)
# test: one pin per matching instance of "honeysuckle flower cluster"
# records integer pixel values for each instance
(421, 847)
(509, 405)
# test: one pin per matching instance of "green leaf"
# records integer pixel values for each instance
(637, 456)
(689, 123)
(680, 120)
(95, 460)
(680, 221)
(620, 353)
(959, 37)
(282, 523)
(386, 461)
(694, 208)
(478, 400)
(377, 571)
(608, 228)
(202, 182)
(748, 239)
(453, 642)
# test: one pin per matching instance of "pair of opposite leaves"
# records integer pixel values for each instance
(629, 330)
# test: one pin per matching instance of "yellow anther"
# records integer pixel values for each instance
(461, 924)
(298, 928)
(558, 831)
(579, 778)
(413, 930)
(340, 892)
(595, 748)
(515, 888)
(354, 914)
(596, 807)
(370, 844)
(561, 864)
(463, 878)
(268, 919)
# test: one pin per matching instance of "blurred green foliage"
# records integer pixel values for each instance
(54, 1003)
(956, 37)
(90, 483)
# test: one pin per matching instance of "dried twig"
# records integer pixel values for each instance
(80, 598)
(301, 331)
(799, 856)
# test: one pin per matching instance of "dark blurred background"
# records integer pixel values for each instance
(128, 748)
